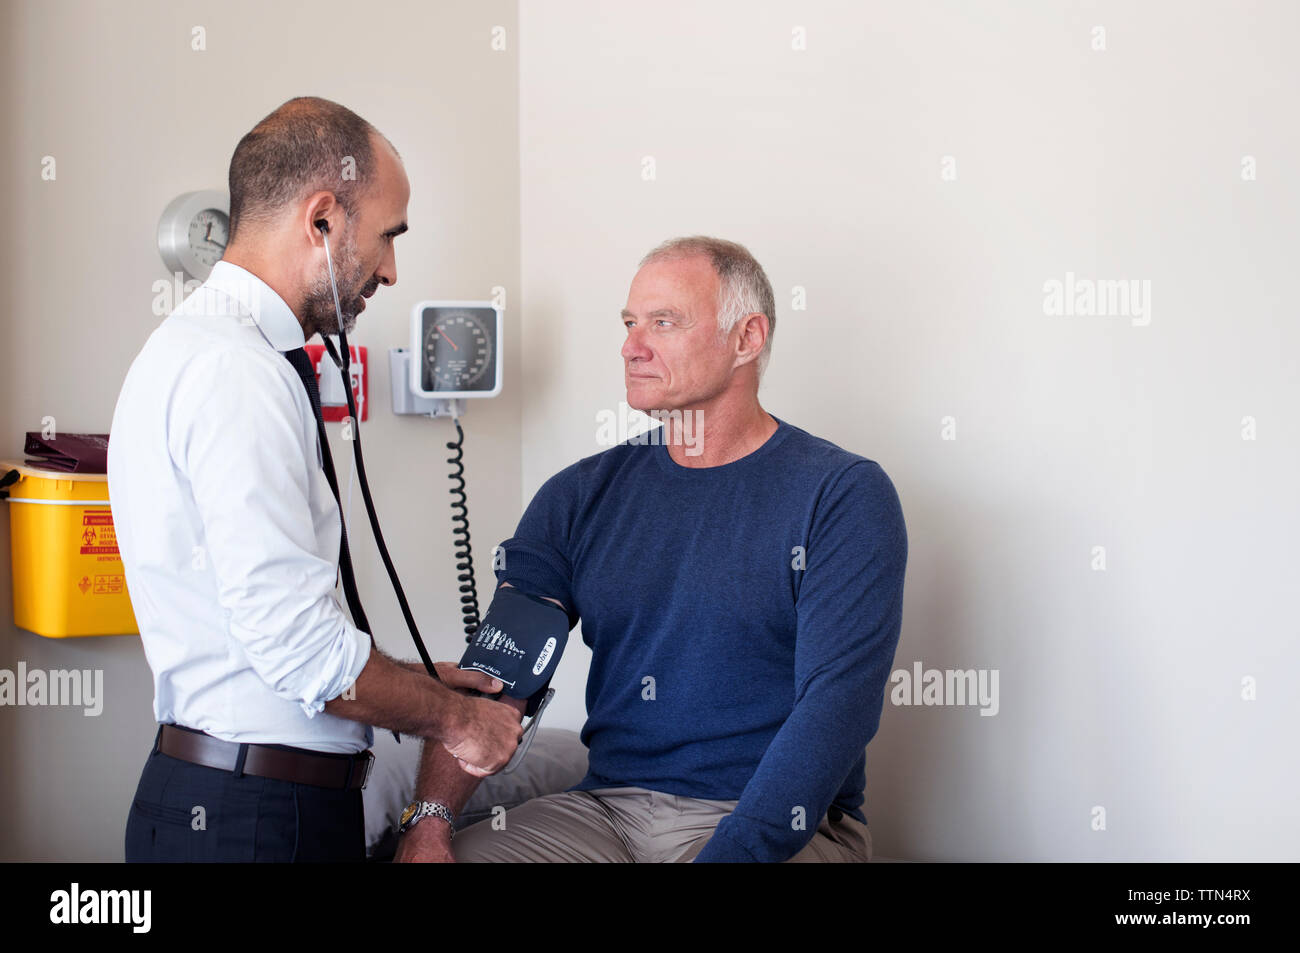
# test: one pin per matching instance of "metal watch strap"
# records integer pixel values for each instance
(428, 809)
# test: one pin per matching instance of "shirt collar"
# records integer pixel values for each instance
(255, 296)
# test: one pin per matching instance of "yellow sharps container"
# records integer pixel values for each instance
(68, 578)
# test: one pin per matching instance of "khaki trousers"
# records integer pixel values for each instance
(629, 825)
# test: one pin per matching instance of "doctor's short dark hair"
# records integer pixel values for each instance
(306, 145)
(743, 287)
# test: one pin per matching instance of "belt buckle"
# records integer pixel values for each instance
(370, 763)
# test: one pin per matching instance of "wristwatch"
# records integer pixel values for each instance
(421, 809)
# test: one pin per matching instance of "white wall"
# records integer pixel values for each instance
(133, 117)
(1118, 688)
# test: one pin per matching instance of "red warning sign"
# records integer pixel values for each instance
(358, 362)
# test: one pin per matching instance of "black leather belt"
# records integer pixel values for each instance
(297, 765)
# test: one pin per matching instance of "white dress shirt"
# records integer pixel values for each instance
(228, 531)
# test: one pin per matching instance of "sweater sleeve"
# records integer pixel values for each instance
(849, 610)
(536, 559)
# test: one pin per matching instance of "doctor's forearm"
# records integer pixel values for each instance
(440, 779)
(387, 694)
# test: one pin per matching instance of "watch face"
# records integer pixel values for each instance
(408, 813)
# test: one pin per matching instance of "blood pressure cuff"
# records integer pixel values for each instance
(519, 641)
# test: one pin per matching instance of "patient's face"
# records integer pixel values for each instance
(673, 358)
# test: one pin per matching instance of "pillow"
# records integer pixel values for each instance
(556, 762)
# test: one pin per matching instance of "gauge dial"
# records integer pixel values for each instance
(457, 351)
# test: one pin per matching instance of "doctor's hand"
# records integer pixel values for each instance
(470, 679)
(483, 736)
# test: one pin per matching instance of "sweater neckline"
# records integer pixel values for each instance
(750, 459)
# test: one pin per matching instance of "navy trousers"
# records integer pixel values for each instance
(188, 812)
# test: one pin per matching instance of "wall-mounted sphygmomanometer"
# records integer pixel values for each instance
(459, 348)
(455, 354)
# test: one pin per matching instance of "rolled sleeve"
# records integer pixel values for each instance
(353, 651)
(249, 459)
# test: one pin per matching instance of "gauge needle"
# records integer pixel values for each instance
(447, 339)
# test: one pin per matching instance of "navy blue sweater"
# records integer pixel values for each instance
(742, 620)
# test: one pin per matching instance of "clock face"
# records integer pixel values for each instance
(208, 233)
(193, 232)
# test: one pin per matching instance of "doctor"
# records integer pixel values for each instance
(225, 500)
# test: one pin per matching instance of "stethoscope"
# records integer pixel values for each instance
(344, 364)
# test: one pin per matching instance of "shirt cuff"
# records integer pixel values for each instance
(356, 644)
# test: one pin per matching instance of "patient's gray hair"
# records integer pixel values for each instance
(743, 287)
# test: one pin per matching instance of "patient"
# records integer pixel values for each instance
(740, 584)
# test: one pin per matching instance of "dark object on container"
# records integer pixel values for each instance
(68, 452)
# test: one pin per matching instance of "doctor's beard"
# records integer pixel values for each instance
(319, 303)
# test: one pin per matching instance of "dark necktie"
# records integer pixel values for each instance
(303, 365)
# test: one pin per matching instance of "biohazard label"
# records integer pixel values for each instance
(97, 533)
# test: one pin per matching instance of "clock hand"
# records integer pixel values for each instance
(449, 340)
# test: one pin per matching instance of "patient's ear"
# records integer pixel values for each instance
(753, 335)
